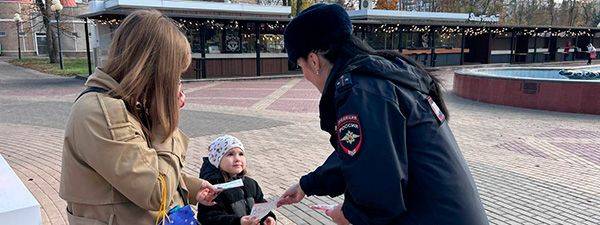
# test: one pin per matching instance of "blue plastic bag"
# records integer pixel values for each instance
(181, 216)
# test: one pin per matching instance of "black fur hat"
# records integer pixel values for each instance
(317, 27)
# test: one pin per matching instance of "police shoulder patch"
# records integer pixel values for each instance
(349, 134)
(343, 81)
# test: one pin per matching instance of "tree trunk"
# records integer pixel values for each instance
(572, 15)
(51, 43)
(551, 6)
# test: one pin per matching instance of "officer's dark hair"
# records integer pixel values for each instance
(351, 46)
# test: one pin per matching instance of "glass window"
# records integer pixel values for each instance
(413, 40)
(382, 40)
(271, 37)
(447, 41)
(194, 38)
(231, 37)
(231, 40)
(271, 43)
(500, 43)
(213, 41)
(248, 37)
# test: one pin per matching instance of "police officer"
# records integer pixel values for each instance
(395, 160)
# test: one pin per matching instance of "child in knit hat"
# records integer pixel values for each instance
(226, 162)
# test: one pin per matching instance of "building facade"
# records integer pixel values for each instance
(33, 33)
(241, 39)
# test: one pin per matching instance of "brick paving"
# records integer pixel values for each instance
(531, 166)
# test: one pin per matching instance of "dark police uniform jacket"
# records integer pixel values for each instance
(396, 160)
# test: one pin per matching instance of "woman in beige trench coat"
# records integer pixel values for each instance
(123, 152)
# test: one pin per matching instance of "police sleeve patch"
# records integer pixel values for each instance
(349, 132)
(436, 110)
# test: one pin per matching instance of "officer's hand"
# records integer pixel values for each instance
(337, 215)
(292, 195)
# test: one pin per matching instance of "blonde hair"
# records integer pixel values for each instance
(147, 56)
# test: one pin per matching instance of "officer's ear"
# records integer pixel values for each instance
(314, 62)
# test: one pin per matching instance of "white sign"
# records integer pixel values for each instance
(484, 18)
(17, 204)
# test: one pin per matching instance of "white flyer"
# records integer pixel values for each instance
(230, 185)
(260, 210)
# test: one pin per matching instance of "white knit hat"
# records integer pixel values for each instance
(219, 147)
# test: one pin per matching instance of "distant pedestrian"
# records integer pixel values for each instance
(566, 51)
(591, 53)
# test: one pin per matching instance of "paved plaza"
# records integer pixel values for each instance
(531, 166)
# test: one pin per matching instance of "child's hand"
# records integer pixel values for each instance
(270, 221)
(249, 220)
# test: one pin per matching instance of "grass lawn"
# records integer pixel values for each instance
(73, 66)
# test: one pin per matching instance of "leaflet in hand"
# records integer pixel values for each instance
(230, 185)
(260, 210)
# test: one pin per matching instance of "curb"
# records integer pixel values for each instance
(85, 77)
(81, 77)
(430, 69)
(561, 63)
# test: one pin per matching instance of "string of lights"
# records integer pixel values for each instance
(443, 31)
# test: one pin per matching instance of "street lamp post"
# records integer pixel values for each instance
(18, 21)
(56, 7)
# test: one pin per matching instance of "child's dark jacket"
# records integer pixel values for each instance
(231, 204)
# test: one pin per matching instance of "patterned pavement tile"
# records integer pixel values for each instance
(296, 105)
(238, 102)
(589, 151)
(522, 147)
(570, 133)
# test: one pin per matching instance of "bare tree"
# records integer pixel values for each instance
(551, 9)
(573, 13)
(52, 44)
(512, 12)
(40, 17)
(589, 12)
(386, 4)
(298, 7)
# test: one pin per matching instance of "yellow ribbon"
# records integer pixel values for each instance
(162, 211)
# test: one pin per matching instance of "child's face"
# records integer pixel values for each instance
(233, 162)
